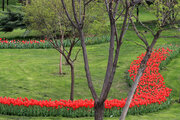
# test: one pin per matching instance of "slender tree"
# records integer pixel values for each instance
(7, 2)
(50, 20)
(78, 22)
(164, 21)
(3, 2)
(113, 12)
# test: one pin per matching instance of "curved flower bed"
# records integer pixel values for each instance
(151, 95)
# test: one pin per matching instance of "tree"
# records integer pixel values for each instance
(11, 20)
(148, 2)
(79, 14)
(113, 10)
(3, 2)
(48, 18)
(163, 9)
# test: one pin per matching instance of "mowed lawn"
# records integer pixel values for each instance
(33, 73)
(170, 74)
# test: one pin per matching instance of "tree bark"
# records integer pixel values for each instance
(86, 65)
(139, 74)
(135, 84)
(2, 5)
(99, 110)
(137, 12)
(60, 64)
(60, 61)
(72, 83)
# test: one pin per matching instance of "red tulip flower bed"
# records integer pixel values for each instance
(24, 44)
(151, 95)
(44, 44)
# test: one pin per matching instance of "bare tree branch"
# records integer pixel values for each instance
(136, 43)
(80, 11)
(145, 26)
(107, 8)
(88, 2)
(137, 32)
(84, 12)
(74, 12)
(76, 55)
(67, 14)
(116, 8)
(120, 14)
(109, 79)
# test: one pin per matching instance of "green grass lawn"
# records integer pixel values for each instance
(171, 74)
(33, 73)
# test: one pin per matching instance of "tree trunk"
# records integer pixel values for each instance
(86, 65)
(60, 64)
(98, 111)
(61, 41)
(2, 5)
(7, 2)
(137, 12)
(139, 74)
(135, 84)
(72, 82)
(130, 96)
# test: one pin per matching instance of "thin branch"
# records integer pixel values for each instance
(116, 34)
(76, 55)
(84, 12)
(87, 2)
(156, 36)
(67, 14)
(143, 35)
(170, 36)
(137, 32)
(70, 49)
(120, 14)
(145, 26)
(136, 43)
(124, 27)
(80, 11)
(74, 12)
(76, 41)
(135, 2)
(116, 8)
(109, 78)
(107, 8)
